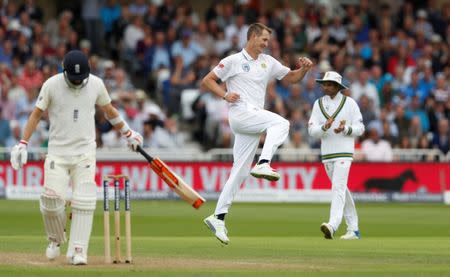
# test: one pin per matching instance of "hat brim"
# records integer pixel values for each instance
(320, 81)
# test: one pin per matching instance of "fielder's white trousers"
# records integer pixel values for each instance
(247, 124)
(342, 203)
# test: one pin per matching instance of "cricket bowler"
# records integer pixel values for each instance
(246, 75)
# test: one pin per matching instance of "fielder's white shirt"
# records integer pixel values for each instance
(249, 77)
(336, 146)
(71, 114)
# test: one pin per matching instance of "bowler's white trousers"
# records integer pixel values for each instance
(247, 124)
(342, 203)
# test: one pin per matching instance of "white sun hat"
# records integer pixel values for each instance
(332, 76)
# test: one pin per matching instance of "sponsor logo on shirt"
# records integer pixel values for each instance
(263, 65)
(246, 67)
(221, 65)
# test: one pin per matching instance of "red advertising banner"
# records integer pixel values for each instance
(209, 177)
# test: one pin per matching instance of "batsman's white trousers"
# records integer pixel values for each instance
(60, 171)
(342, 203)
(247, 124)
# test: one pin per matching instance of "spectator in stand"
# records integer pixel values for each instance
(414, 88)
(363, 87)
(186, 48)
(422, 25)
(238, 28)
(5, 131)
(159, 55)
(168, 136)
(204, 38)
(274, 102)
(295, 101)
(415, 109)
(32, 9)
(376, 149)
(31, 77)
(388, 136)
(16, 133)
(109, 13)
(7, 105)
(121, 81)
(401, 57)
(311, 92)
(367, 111)
(133, 32)
(60, 29)
(6, 52)
(138, 7)
(441, 139)
(147, 135)
(415, 131)
(183, 77)
(441, 91)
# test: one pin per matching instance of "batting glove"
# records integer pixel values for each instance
(19, 155)
(134, 139)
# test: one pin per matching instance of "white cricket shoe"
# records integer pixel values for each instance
(52, 252)
(265, 171)
(217, 226)
(350, 235)
(327, 230)
(79, 259)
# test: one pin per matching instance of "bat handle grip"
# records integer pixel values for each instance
(145, 154)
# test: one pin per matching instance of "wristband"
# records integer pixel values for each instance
(115, 120)
(125, 129)
(22, 141)
(224, 97)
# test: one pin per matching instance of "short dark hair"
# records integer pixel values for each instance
(257, 28)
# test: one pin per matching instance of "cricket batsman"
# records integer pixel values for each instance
(337, 120)
(70, 98)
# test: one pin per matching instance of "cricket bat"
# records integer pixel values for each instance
(174, 181)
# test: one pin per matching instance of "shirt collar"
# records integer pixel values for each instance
(246, 55)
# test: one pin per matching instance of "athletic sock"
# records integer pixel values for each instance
(221, 216)
(263, 161)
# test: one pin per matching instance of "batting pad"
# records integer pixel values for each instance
(83, 206)
(54, 215)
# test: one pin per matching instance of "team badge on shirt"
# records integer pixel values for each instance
(246, 67)
(263, 65)
(221, 65)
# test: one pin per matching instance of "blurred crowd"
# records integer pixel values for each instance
(152, 56)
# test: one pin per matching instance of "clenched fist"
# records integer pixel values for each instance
(305, 63)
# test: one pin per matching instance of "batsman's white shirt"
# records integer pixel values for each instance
(249, 77)
(336, 146)
(71, 114)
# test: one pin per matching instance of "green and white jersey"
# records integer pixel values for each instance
(71, 114)
(336, 146)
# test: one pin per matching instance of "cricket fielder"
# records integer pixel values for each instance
(70, 98)
(337, 120)
(246, 75)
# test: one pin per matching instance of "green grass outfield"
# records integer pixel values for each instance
(169, 238)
